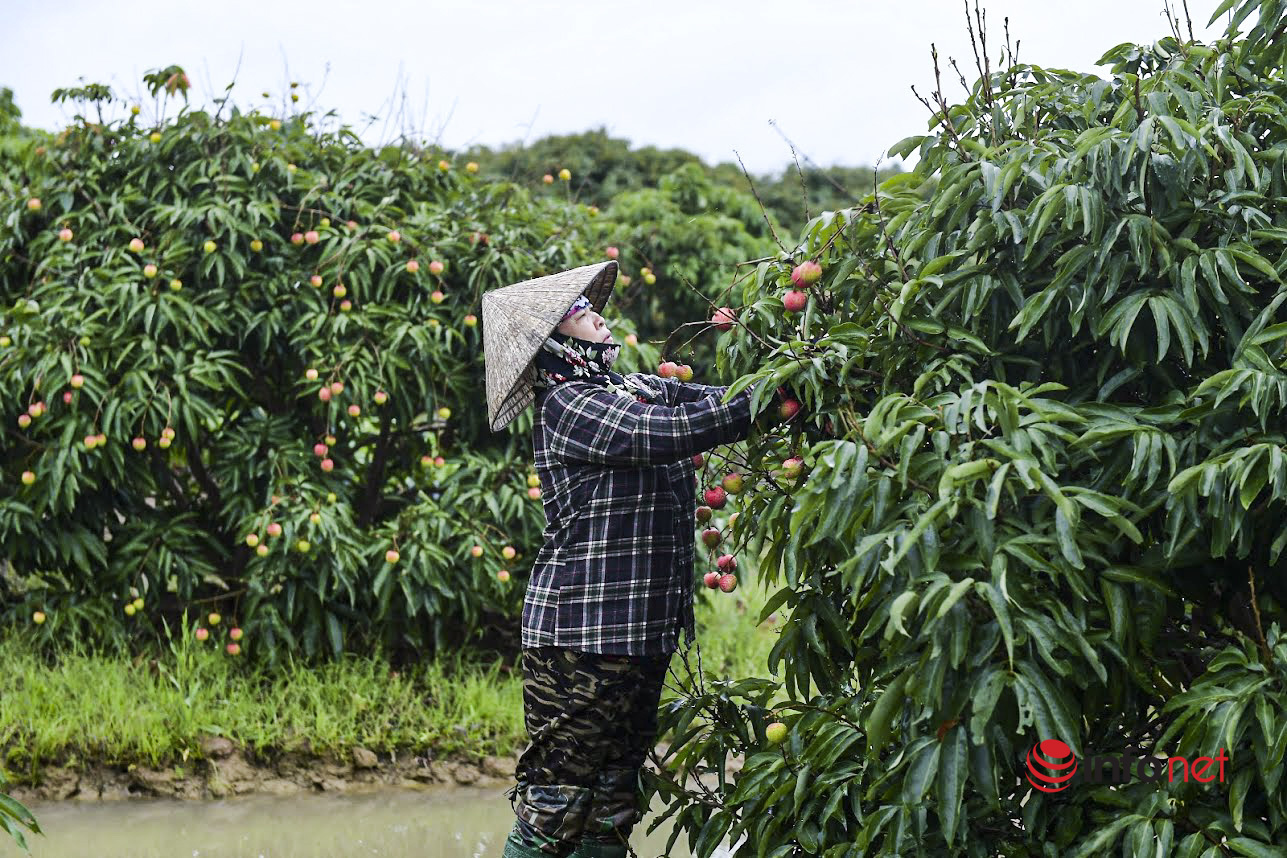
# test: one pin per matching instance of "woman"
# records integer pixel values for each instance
(611, 587)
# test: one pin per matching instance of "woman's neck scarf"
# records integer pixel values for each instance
(563, 357)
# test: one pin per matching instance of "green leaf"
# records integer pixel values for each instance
(920, 772)
(953, 596)
(1001, 611)
(1255, 849)
(882, 714)
(951, 781)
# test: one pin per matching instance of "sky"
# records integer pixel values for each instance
(721, 79)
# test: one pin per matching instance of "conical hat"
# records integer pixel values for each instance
(517, 319)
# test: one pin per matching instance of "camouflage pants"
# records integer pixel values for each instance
(591, 719)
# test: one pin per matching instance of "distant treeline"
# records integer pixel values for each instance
(604, 166)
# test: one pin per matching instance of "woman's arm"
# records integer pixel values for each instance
(586, 423)
(678, 392)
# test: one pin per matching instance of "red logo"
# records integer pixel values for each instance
(1051, 765)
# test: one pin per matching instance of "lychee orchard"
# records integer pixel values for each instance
(1015, 472)
(284, 387)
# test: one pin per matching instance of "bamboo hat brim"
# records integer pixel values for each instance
(517, 319)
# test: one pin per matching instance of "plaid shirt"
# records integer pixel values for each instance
(615, 574)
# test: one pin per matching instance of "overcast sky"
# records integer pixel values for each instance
(715, 78)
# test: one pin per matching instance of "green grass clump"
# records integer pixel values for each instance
(155, 711)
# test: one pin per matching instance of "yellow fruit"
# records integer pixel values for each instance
(138, 604)
(776, 732)
(155, 137)
(210, 247)
(471, 167)
(565, 174)
(276, 125)
(130, 610)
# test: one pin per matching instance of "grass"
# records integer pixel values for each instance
(118, 711)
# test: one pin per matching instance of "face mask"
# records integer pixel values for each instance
(563, 358)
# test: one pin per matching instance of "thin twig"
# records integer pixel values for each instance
(1255, 608)
(826, 175)
(985, 70)
(943, 108)
(889, 242)
(804, 190)
(763, 210)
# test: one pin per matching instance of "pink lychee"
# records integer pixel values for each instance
(723, 318)
(806, 273)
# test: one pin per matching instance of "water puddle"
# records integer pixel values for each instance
(439, 821)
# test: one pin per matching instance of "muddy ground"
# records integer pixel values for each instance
(227, 769)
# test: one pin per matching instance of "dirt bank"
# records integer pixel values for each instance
(228, 769)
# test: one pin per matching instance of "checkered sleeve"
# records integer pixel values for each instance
(678, 392)
(691, 391)
(586, 423)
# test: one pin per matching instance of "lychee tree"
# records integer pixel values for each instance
(226, 386)
(1054, 509)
